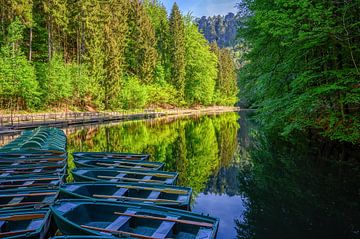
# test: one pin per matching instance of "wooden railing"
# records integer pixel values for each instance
(23, 121)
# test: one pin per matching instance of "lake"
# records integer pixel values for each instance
(257, 184)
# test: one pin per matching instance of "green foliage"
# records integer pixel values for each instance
(141, 54)
(133, 94)
(80, 54)
(177, 51)
(56, 81)
(19, 88)
(302, 70)
(196, 148)
(226, 81)
(201, 67)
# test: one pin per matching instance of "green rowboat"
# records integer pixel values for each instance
(130, 220)
(161, 195)
(122, 175)
(27, 198)
(118, 163)
(111, 155)
(19, 224)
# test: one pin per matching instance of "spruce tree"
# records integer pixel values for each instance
(141, 52)
(177, 50)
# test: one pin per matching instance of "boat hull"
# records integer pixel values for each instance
(120, 218)
(160, 195)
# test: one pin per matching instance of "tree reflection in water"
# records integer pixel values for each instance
(299, 190)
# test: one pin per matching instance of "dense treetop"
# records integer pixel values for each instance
(303, 65)
(105, 55)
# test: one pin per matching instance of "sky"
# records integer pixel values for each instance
(200, 8)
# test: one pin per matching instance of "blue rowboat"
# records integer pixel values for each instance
(117, 163)
(28, 181)
(27, 198)
(32, 170)
(83, 237)
(19, 224)
(161, 195)
(121, 175)
(130, 220)
(111, 155)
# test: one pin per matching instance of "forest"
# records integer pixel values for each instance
(302, 65)
(108, 55)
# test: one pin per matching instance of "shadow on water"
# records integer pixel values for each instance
(259, 187)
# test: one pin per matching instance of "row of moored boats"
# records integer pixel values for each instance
(112, 195)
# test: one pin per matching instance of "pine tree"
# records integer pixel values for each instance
(158, 15)
(141, 55)
(177, 51)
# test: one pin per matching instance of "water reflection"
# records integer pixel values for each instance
(197, 148)
(204, 150)
(259, 186)
(300, 190)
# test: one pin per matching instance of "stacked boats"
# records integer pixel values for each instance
(32, 167)
(125, 195)
(114, 195)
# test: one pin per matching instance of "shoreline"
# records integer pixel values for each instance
(11, 124)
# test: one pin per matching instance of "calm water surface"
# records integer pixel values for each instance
(259, 186)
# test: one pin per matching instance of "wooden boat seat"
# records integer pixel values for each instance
(119, 192)
(27, 183)
(48, 199)
(182, 198)
(147, 177)
(35, 224)
(118, 177)
(16, 200)
(2, 223)
(154, 195)
(164, 229)
(120, 221)
(203, 233)
(169, 181)
(72, 188)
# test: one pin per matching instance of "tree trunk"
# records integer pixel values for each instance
(49, 39)
(30, 43)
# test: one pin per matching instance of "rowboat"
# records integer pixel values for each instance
(27, 181)
(118, 163)
(6, 163)
(31, 154)
(122, 175)
(32, 169)
(27, 198)
(111, 155)
(83, 237)
(132, 220)
(39, 140)
(30, 224)
(161, 195)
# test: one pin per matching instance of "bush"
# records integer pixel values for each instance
(133, 94)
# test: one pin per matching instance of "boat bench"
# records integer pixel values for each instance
(35, 224)
(118, 177)
(164, 229)
(154, 195)
(204, 233)
(120, 192)
(120, 221)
